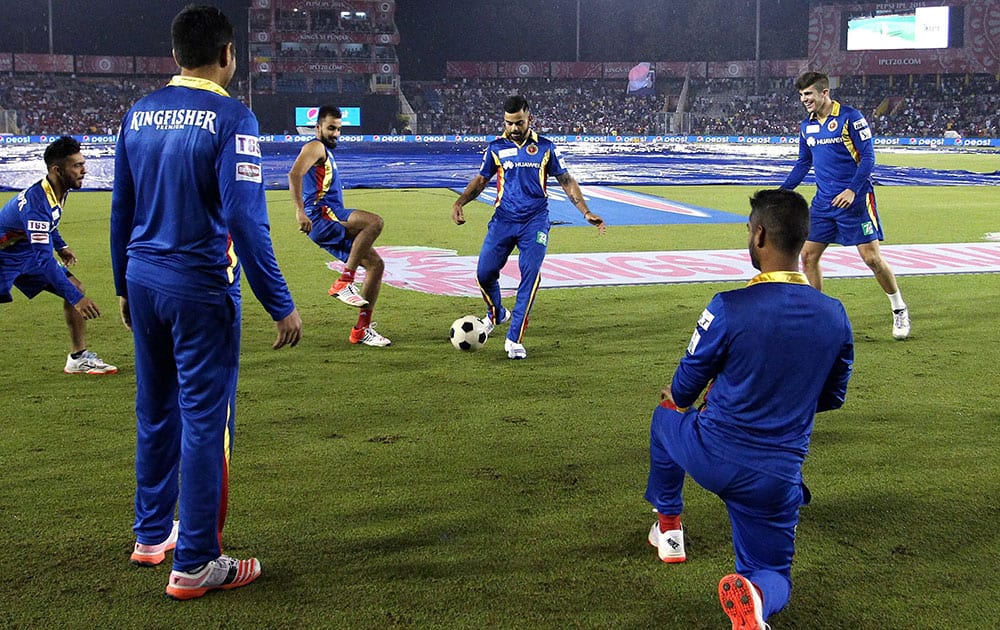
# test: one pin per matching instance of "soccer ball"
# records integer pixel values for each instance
(468, 333)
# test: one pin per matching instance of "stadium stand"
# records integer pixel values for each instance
(588, 106)
(924, 106)
(57, 103)
(53, 104)
(920, 106)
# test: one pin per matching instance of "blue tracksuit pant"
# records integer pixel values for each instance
(187, 359)
(763, 509)
(531, 238)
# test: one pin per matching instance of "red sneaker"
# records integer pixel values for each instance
(741, 602)
(369, 337)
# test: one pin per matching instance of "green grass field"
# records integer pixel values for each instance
(416, 486)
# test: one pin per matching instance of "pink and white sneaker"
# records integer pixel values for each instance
(152, 555)
(222, 573)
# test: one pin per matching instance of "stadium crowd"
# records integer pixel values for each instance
(560, 106)
(967, 105)
(55, 104)
(64, 104)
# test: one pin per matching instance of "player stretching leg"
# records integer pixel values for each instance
(836, 142)
(348, 234)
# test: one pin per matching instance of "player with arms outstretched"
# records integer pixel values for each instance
(347, 234)
(836, 142)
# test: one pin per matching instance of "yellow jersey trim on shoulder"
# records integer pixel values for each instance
(51, 194)
(834, 112)
(196, 83)
(792, 277)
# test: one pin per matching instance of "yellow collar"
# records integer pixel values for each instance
(197, 84)
(793, 277)
(532, 136)
(51, 194)
(834, 111)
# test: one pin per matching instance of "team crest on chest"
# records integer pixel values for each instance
(832, 125)
(532, 149)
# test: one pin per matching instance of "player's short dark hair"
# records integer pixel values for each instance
(328, 110)
(198, 34)
(60, 149)
(807, 79)
(515, 103)
(784, 215)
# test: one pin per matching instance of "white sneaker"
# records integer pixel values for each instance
(88, 363)
(514, 350)
(901, 323)
(369, 337)
(222, 573)
(347, 293)
(741, 602)
(152, 555)
(669, 545)
(490, 325)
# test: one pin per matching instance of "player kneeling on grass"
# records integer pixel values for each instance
(29, 233)
(348, 234)
(774, 352)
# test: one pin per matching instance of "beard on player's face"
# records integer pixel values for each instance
(69, 179)
(517, 127)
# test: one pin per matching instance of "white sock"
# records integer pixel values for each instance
(896, 300)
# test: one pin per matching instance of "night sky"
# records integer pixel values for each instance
(436, 31)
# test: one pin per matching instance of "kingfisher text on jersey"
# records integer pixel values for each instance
(174, 119)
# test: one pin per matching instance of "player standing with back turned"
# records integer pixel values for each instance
(836, 142)
(187, 215)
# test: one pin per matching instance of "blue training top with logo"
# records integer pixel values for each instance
(778, 351)
(522, 173)
(188, 207)
(29, 225)
(840, 151)
(322, 187)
